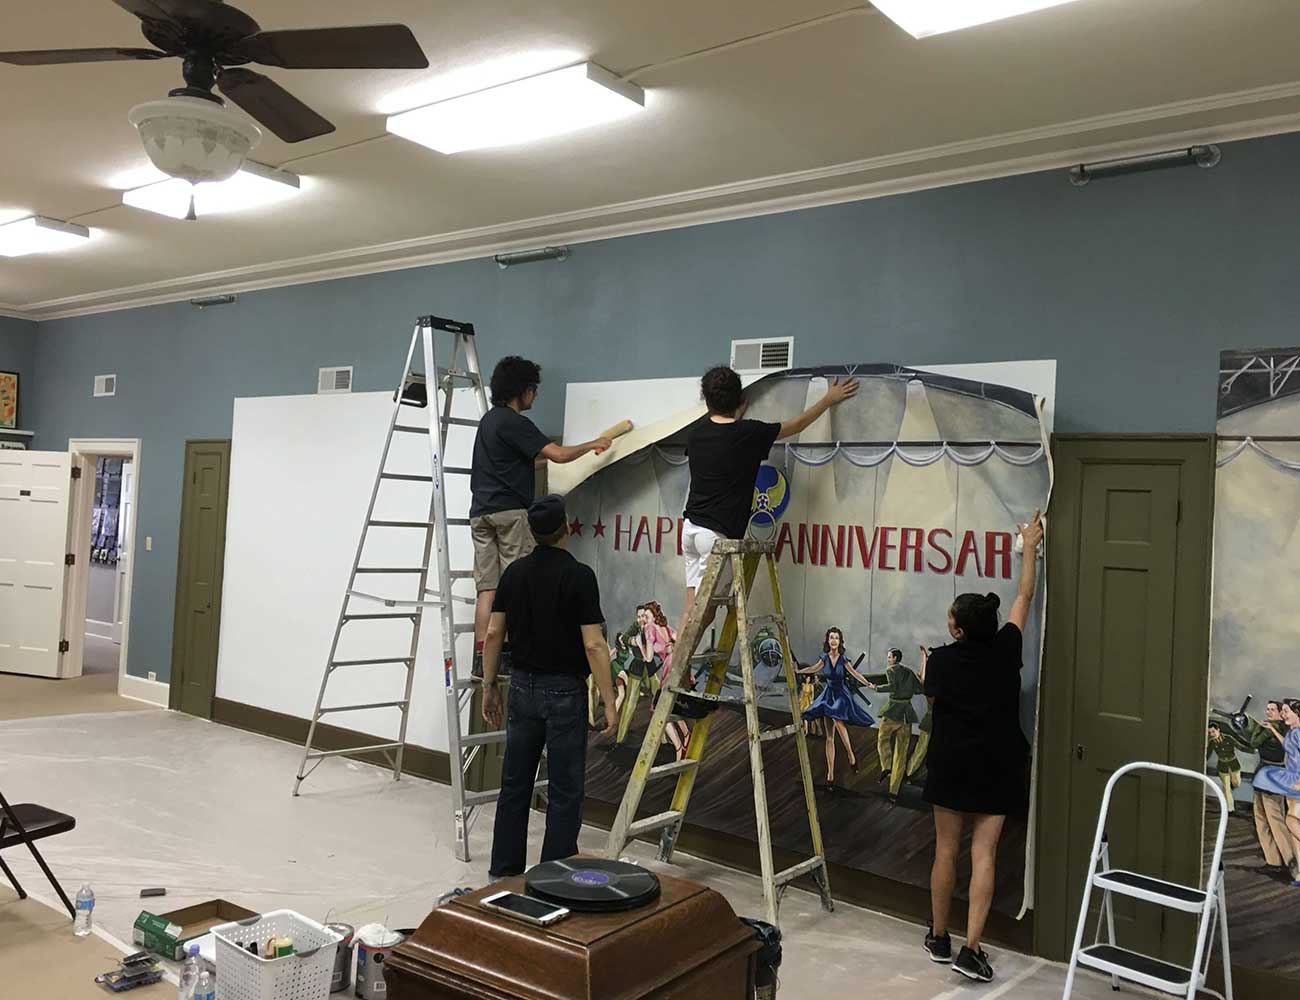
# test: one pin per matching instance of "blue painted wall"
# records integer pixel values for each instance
(17, 354)
(1133, 285)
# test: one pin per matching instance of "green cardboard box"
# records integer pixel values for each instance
(167, 934)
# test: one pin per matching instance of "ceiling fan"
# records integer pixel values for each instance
(192, 134)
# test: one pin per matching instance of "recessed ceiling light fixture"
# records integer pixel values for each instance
(37, 234)
(563, 100)
(922, 18)
(254, 186)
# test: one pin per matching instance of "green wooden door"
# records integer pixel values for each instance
(1124, 677)
(198, 576)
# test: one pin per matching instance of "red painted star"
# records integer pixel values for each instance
(599, 528)
(575, 527)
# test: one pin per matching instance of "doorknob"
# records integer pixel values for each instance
(1078, 750)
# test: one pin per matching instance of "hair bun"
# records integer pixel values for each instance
(992, 602)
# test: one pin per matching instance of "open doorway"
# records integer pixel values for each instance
(102, 543)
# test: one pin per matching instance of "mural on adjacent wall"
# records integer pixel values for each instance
(882, 512)
(1252, 734)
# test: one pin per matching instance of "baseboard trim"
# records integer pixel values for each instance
(100, 630)
(143, 689)
(420, 762)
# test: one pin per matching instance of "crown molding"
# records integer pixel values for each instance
(967, 161)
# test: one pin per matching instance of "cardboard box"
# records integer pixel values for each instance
(169, 934)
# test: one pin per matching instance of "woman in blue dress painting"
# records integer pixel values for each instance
(1285, 780)
(836, 703)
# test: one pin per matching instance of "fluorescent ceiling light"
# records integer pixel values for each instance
(254, 186)
(38, 234)
(563, 100)
(920, 18)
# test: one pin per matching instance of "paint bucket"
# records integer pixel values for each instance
(342, 976)
(375, 943)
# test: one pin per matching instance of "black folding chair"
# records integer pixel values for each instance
(27, 823)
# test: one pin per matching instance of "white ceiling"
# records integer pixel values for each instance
(751, 107)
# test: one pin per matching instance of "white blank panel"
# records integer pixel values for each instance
(34, 488)
(301, 472)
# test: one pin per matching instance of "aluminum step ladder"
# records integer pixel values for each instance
(434, 389)
(715, 590)
(1207, 902)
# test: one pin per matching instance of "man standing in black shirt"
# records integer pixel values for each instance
(549, 605)
(507, 450)
(725, 451)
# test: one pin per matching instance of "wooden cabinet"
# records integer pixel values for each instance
(688, 944)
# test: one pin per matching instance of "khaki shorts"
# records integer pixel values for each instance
(499, 539)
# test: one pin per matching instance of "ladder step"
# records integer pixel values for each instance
(478, 739)
(461, 522)
(461, 373)
(390, 570)
(801, 869)
(405, 477)
(708, 656)
(717, 699)
(338, 753)
(676, 767)
(409, 429)
(459, 421)
(460, 628)
(759, 621)
(456, 598)
(1173, 895)
(778, 734)
(457, 470)
(462, 574)
(358, 708)
(468, 682)
(384, 616)
(400, 524)
(367, 663)
(655, 822)
(480, 798)
(1137, 968)
(395, 602)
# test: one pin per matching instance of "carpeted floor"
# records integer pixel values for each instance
(100, 655)
(43, 958)
(39, 697)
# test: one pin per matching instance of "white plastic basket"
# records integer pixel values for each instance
(305, 975)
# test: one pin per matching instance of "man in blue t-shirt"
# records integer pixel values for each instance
(507, 450)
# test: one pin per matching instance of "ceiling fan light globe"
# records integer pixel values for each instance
(194, 139)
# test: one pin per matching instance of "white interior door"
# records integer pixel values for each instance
(123, 549)
(34, 489)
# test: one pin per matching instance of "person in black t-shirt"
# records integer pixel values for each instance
(725, 451)
(548, 603)
(978, 753)
(507, 450)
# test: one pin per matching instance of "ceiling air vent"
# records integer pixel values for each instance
(769, 355)
(335, 380)
(105, 385)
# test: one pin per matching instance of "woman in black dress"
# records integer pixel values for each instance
(978, 753)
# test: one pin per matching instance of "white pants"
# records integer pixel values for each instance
(697, 544)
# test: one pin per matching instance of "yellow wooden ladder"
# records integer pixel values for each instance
(732, 590)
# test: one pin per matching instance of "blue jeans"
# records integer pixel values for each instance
(545, 710)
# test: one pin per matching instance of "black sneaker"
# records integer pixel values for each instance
(938, 948)
(973, 965)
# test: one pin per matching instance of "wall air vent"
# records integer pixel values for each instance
(105, 385)
(773, 354)
(335, 380)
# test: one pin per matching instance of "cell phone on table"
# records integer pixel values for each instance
(534, 911)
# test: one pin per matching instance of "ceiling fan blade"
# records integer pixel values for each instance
(272, 105)
(145, 10)
(376, 46)
(53, 57)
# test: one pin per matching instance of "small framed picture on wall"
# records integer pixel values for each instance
(8, 400)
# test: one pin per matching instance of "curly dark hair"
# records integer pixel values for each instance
(512, 377)
(721, 390)
(826, 640)
(976, 615)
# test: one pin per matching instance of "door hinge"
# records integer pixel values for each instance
(76, 472)
(70, 559)
(63, 645)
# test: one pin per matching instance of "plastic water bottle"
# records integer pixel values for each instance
(189, 975)
(206, 988)
(85, 911)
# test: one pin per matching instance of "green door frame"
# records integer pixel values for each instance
(1054, 922)
(177, 678)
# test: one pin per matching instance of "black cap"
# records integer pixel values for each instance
(546, 516)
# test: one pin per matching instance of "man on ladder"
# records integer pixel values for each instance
(507, 450)
(725, 453)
